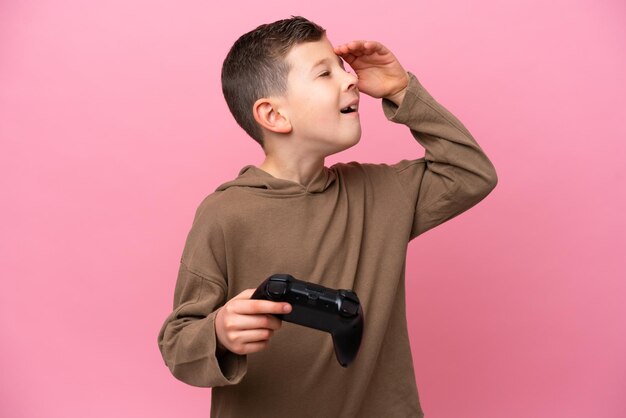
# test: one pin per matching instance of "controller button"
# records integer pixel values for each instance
(349, 295)
(312, 298)
(348, 308)
(277, 289)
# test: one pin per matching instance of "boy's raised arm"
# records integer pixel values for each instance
(455, 173)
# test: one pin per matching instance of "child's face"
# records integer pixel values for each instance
(315, 96)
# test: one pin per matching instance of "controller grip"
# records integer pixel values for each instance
(347, 342)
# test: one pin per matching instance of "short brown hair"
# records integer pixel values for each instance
(255, 66)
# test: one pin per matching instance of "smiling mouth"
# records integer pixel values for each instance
(349, 109)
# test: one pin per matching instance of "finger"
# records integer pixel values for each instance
(257, 306)
(356, 49)
(373, 46)
(253, 347)
(343, 53)
(341, 50)
(362, 47)
(347, 57)
(356, 44)
(351, 47)
(251, 336)
(250, 322)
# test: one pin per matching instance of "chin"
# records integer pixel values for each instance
(349, 144)
(355, 140)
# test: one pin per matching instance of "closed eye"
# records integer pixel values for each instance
(327, 73)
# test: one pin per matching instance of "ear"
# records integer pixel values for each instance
(266, 114)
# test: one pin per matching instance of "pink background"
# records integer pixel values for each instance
(113, 128)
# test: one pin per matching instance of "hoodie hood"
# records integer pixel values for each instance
(260, 181)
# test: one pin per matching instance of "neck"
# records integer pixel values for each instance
(299, 170)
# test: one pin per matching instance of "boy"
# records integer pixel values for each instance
(347, 226)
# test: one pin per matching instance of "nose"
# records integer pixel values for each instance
(351, 80)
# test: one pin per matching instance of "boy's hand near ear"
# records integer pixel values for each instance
(380, 73)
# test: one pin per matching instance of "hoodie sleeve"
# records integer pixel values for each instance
(187, 339)
(454, 175)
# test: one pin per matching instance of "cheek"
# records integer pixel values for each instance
(317, 113)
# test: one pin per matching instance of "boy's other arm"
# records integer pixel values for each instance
(189, 340)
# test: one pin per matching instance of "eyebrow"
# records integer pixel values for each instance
(325, 60)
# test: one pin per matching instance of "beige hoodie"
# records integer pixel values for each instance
(349, 228)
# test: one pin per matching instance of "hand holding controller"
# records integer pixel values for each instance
(337, 312)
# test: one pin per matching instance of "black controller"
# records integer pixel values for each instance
(335, 311)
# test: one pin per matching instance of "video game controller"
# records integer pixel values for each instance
(335, 311)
